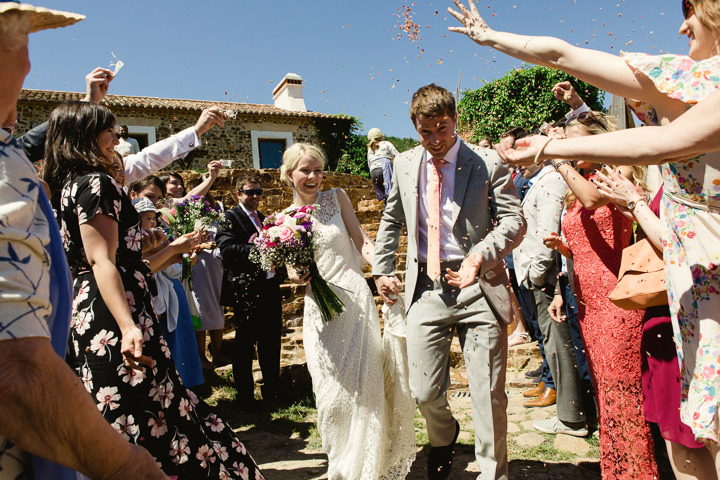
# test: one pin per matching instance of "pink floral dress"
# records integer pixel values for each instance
(691, 218)
(151, 408)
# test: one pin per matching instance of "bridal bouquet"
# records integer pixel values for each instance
(191, 215)
(286, 238)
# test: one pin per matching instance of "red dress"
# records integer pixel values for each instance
(612, 341)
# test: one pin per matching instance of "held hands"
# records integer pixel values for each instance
(209, 118)
(466, 274)
(474, 26)
(131, 349)
(97, 84)
(388, 285)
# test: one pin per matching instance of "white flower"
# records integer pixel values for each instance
(132, 376)
(81, 321)
(81, 295)
(179, 449)
(108, 397)
(126, 427)
(158, 426)
(204, 454)
(87, 377)
(185, 408)
(95, 185)
(101, 341)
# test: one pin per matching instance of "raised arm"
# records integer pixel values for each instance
(606, 71)
(359, 236)
(214, 168)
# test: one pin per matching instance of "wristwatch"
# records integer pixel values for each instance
(632, 204)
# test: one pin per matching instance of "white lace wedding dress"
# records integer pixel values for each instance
(365, 411)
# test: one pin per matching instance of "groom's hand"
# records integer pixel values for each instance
(467, 273)
(388, 285)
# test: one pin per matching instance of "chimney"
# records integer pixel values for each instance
(288, 94)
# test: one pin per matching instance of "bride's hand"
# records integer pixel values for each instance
(299, 274)
(474, 26)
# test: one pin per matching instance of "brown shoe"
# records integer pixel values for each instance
(536, 391)
(548, 398)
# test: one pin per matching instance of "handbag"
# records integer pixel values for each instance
(641, 282)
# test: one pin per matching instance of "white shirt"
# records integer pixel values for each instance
(258, 227)
(449, 247)
(127, 147)
(154, 157)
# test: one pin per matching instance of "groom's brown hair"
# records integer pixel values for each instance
(432, 101)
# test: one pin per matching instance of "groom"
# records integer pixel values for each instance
(463, 217)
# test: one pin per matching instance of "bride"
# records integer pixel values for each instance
(365, 411)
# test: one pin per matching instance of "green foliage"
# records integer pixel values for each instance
(403, 144)
(522, 98)
(333, 136)
(354, 158)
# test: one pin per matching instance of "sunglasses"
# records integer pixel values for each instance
(253, 191)
(687, 9)
(586, 118)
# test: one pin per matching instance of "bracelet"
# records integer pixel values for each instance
(560, 164)
(537, 161)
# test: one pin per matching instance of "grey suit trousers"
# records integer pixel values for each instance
(560, 355)
(436, 312)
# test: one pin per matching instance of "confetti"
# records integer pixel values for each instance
(118, 64)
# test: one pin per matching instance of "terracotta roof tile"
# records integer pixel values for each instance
(170, 104)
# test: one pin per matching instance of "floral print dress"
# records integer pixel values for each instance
(691, 238)
(151, 408)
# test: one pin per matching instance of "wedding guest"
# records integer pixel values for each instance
(380, 155)
(691, 250)
(115, 345)
(45, 409)
(127, 145)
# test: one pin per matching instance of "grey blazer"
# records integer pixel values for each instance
(542, 206)
(486, 219)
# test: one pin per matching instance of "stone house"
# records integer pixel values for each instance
(254, 138)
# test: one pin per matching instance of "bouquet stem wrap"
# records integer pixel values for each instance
(327, 300)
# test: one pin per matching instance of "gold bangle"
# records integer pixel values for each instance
(537, 161)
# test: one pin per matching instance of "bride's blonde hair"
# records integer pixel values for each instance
(292, 156)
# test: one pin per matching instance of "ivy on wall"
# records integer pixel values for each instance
(522, 98)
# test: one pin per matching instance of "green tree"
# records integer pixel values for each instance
(354, 157)
(522, 98)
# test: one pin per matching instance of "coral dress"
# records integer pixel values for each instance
(612, 341)
(151, 408)
(691, 237)
(365, 413)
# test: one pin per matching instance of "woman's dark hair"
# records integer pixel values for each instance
(148, 181)
(166, 176)
(71, 144)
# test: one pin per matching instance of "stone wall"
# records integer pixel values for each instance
(277, 195)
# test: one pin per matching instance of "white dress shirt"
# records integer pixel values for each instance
(449, 247)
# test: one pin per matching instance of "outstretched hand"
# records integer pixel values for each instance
(209, 118)
(565, 92)
(474, 26)
(97, 84)
(524, 152)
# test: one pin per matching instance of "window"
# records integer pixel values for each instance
(271, 152)
(268, 147)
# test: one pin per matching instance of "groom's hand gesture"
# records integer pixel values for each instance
(388, 285)
(467, 273)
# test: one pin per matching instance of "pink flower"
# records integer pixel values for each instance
(179, 449)
(280, 219)
(215, 424)
(286, 234)
(241, 470)
(126, 427)
(132, 376)
(185, 408)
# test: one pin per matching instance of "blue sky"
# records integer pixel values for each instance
(352, 55)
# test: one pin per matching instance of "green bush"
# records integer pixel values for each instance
(522, 98)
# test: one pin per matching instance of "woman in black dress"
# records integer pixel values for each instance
(115, 342)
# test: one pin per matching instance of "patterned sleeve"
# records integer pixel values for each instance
(677, 76)
(24, 261)
(97, 193)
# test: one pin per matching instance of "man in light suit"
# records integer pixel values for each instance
(536, 269)
(459, 230)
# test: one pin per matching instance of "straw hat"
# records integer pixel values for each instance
(42, 18)
(374, 133)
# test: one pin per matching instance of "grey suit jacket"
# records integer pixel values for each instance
(542, 206)
(486, 219)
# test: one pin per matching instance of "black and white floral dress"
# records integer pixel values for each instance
(151, 408)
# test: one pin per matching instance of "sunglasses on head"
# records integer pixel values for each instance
(586, 118)
(687, 9)
(253, 191)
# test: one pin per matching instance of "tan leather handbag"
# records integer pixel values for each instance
(641, 282)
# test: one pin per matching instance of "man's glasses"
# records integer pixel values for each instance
(687, 9)
(253, 191)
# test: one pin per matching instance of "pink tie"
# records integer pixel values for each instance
(258, 223)
(433, 222)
